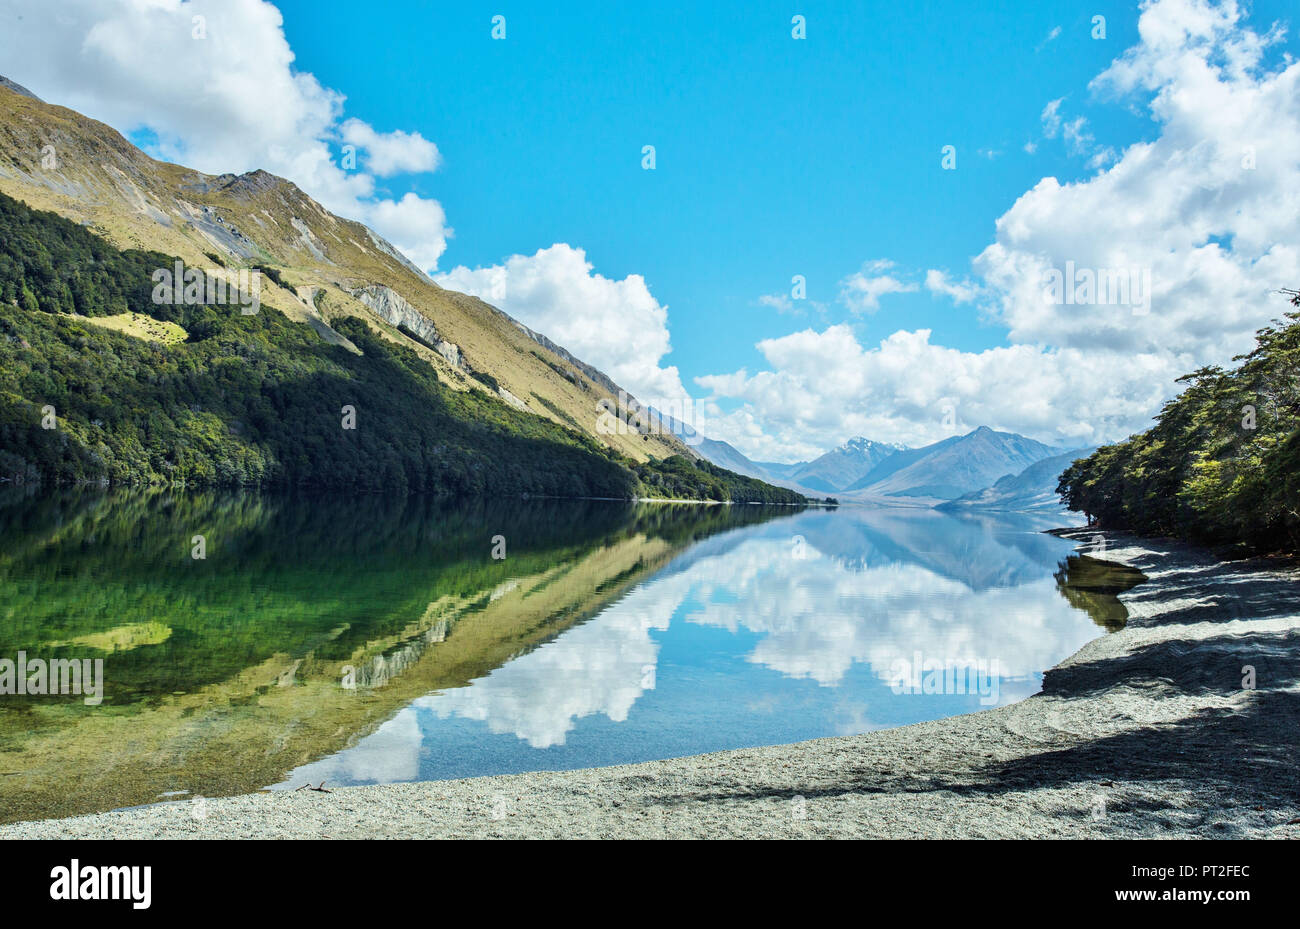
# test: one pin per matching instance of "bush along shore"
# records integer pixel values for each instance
(1221, 466)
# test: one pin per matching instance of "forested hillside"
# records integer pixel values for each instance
(1222, 463)
(679, 478)
(256, 400)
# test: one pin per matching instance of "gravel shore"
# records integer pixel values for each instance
(1147, 732)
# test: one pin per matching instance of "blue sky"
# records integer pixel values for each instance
(1167, 150)
(774, 157)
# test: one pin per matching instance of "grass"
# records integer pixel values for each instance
(138, 325)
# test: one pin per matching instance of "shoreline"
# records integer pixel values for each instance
(1144, 732)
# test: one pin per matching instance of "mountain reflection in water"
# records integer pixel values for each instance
(377, 639)
(782, 631)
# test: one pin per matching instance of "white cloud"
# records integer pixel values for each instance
(392, 152)
(823, 386)
(861, 291)
(940, 282)
(779, 302)
(1077, 135)
(1079, 140)
(414, 220)
(221, 94)
(618, 326)
(1048, 39)
(1051, 118)
(1101, 157)
(1214, 234)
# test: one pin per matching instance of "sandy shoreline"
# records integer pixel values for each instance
(1146, 732)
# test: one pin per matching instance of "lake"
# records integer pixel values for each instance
(252, 641)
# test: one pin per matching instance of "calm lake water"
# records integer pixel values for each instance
(377, 640)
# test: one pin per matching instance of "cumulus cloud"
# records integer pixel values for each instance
(419, 222)
(227, 99)
(1207, 214)
(616, 325)
(1210, 209)
(390, 153)
(823, 386)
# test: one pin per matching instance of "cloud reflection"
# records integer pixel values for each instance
(862, 588)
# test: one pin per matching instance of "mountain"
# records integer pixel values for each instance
(898, 462)
(339, 365)
(1032, 489)
(841, 467)
(17, 88)
(317, 268)
(779, 469)
(981, 469)
(954, 466)
(726, 455)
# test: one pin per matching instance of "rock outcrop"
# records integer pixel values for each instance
(392, 308)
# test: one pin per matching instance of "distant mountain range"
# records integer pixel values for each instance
(842, 467)
(829, 473)
(954, 466)
(982, 469)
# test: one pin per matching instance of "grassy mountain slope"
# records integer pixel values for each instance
(327, 269)
(245, 399)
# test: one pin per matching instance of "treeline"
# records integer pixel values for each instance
(1222, 464)
(251, 400)
(679, 478)
(50, 264)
